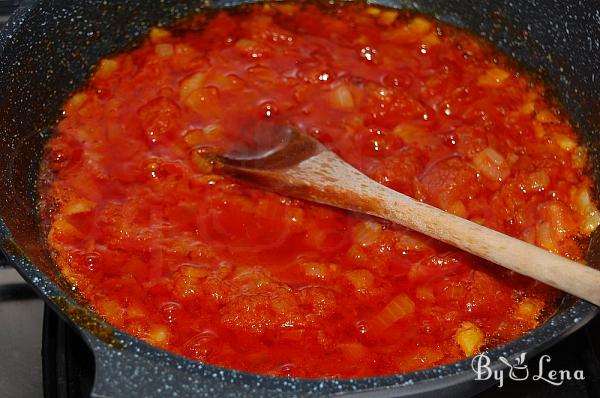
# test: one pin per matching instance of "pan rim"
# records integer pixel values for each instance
(565, 322)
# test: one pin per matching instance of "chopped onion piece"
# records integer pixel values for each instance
(579, 157)
(193, 271)
(287, 9)
(494, 77)
(410, 133)
(76, 102)
(387, 18)
(544, 237)
(60, 226)
(106, 68)
(591, 223)
(158, 334)
(557, 215)
(491, 164)
(366, 233)
(76, 206)
(361, 279)
(373, 11)
(157, 34)
(424, 293)
(203, 165)
(191, 84)
(412, 241)
(546, 116)
(164, 50)
(565, 142)
(342, 98)
(419, 25)
(195, 137)
(529, 309)
(458, 209)
(527, 108)
(353, 351)
(583, 201)
(246, 45)
(317, 270)
(469, 337)
(538, 181)
(111, 309)
(399, 307)
(431, 39)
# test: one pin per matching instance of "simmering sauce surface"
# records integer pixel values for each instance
(204, 266)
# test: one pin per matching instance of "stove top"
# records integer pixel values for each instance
(21, 317)
(6, 8)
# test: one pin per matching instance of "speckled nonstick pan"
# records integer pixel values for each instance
(47, 49)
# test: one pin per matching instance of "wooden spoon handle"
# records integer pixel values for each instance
(514, 254)
(330, 180)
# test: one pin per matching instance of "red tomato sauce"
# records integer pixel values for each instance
(170, 251)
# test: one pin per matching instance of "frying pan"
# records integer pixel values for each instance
(47, 50)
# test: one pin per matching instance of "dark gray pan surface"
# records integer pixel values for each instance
(47, 49)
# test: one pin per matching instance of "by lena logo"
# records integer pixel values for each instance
(519, 370)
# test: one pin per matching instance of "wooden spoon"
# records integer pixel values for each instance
(301, 167)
